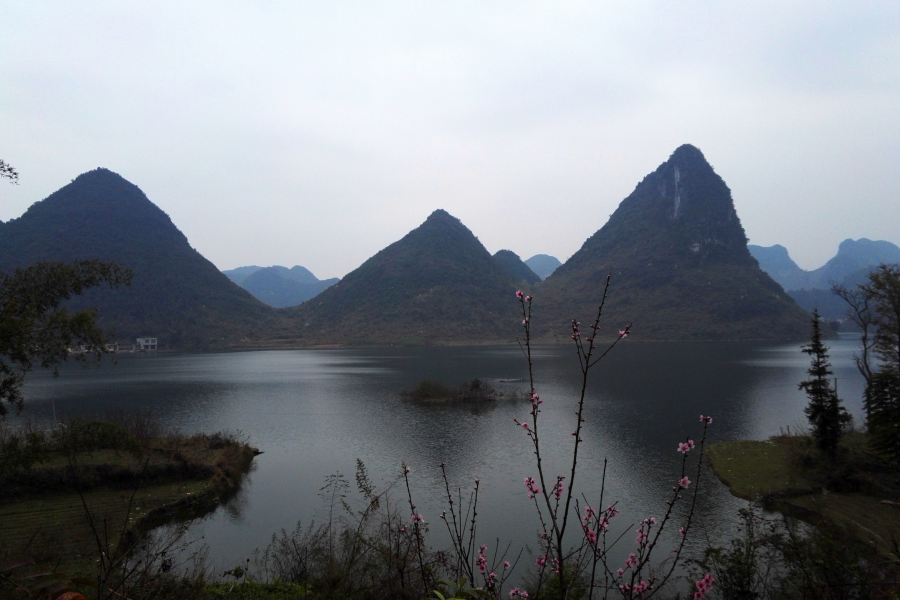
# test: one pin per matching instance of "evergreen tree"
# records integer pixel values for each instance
(826, 415)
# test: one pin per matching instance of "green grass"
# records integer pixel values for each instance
(55, 527)
(753, 469)
(174, 477)
(857, 494)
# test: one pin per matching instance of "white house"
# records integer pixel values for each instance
(145, 344)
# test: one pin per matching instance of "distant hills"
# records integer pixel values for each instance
(176, 295)
(543, 264)
(680, 266)
(438, 284)
(279, 286)
(812, 289)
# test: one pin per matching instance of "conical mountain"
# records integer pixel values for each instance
(680, 266)
(438, 284)
(515, 268)
(176, 295)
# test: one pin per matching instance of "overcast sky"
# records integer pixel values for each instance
(318, 133)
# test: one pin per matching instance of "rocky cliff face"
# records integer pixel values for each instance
(680, 265)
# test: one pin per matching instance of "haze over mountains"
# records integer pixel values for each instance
(812, 289)
(543, 264)
(279, 286)
(675, 247)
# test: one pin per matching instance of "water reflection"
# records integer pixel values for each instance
(314, 412)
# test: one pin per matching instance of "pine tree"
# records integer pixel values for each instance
(826, 415)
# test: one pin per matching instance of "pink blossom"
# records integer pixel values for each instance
(519, 294)
(532, 488)
(505, 564)
(623, 333)
(704, 586)
(481, 561)
(527, 298)
(541, 561)
(684, 482)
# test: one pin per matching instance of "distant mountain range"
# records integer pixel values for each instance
(680, 266)
(812, 289)
(543, 264)
(279, 286)
(675, 247)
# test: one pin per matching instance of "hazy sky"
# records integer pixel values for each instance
(318, 133)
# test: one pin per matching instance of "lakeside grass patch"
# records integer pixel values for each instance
(858, 494)
(128, 486)
(755, 469)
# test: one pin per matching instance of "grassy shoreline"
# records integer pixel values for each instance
(859, 493)
(127, 488)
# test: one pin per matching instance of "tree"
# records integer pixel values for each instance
(826, 415)
(883, 389)
(7, 171)
(35, 326)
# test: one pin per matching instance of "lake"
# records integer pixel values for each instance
(314, 412)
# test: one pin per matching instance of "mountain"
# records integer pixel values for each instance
(437, 284)
(543, 264)
(176, 295)
(680, 267)
(812, 289)
(776, 261)
(239, 274)
(853, 257)
(517, 270)
(281, 287)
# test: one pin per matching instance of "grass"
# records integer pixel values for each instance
(754, 470)
(54, 528)
(858, 493)
(42, 506)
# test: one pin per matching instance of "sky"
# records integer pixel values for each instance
(317, 133)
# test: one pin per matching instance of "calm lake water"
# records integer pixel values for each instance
(314, 412)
